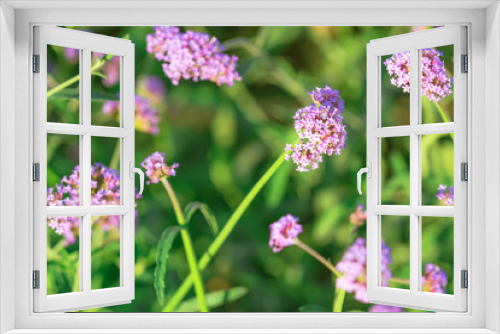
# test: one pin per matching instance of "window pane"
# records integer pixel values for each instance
(63, 255)
(437, 84)
(63, 89)
(437, 254)
(105, 261)
(437, 169)
(395, 259)
(63, 176)
(395, 88)
(105, 88)
(395, 170)
(105, 171)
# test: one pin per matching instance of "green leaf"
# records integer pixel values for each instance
(74, 94)
(99, 74)
(312, 308)
(108, 57)
(214, 299)
(167, 238)
(207, 213)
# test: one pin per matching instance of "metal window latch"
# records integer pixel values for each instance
(36, 279)
(36, 172)
(36, 63)
(464, 279)
(139, 171)
(464, 171)
(368, 171)
(465, 64)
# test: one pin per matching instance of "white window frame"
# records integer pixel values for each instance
(483, 21)
(413, 43)
(86, 43)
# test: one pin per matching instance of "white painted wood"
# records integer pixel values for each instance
(414, 298)
(86, 297)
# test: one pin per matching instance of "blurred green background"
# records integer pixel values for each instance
(224, 138)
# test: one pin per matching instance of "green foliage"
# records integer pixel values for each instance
(164, 246)
(214, 299)
(192, 207)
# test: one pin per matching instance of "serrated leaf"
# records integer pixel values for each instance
(312, 308)
(164, 245)
(207, 213)
(74, 94)
(214, 299)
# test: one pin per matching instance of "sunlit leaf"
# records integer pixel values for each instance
(167, 238)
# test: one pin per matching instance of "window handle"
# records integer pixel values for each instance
(139, 171)
(368, 171)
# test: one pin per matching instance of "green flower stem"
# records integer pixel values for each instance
(74, 79)
(318, 257)
(223, 235)
(444, 116)
(339, 302)
(399, 280)
(115, 158)
(188, 246)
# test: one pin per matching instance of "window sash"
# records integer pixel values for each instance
(413, 298)
(86, 43)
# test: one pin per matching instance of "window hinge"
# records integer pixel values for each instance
(36, 172)
(464, 168)
(465, 64)
(36, 63)
(465, 279)
(36, 279)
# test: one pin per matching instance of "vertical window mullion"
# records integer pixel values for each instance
(85, 177)
(414, 168)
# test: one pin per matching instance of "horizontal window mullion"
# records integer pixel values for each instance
(432, 129)
(392, 131)
(392, 210)
(106, 131)
(433, 211)
(66, 129)
(78, 211)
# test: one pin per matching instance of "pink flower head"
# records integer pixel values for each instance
(436, 84)
(284, 232)
(320, 129)
(147, 117)
(105, 190)
(152, 88)
(446, 198)
(72, 55)
(112, 72)
(384, 308)
(156, 167)
(435, 279)
(192, 55)
(353, 268)
(358, 218)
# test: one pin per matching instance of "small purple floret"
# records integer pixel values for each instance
(384, 308)
(435, 279)
(446, 198)
(284, 232)
(156, 167)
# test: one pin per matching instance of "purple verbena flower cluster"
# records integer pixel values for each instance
(147, 117)
(156, 167)
(378, 308)
(152, 88)
(320, 129)
(446, 198)
(353, 268)
(435, 279)
(72, 55)
(105, 190)
(192, 55)
(284, 232)
(436, 84)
